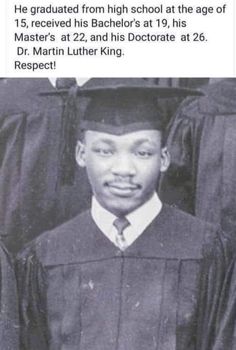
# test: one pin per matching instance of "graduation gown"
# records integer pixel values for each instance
(9, 319)
(201, 178)
(165, 292)
(32, 199)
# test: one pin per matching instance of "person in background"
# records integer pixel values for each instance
(202, 142)
(37, 188)
(130, 272)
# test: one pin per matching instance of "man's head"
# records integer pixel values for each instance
(121, 146)
(123, 169)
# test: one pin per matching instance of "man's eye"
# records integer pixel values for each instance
(144, 154)
(103, 151)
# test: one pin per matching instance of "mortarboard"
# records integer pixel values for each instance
(115, 106)
(122, 105)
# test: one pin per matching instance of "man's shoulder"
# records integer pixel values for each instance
(193, 231)
(219, 99)
(70, 227)
(183, 218)
(61, 240)
(22, 94)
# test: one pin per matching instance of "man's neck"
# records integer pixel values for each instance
(139, 219)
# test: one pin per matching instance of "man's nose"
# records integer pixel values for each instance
(123, 165)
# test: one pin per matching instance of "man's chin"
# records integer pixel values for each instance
(121, 206)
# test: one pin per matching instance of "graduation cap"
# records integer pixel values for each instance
(116, 106)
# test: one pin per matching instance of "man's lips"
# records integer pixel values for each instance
(123, 185)
(122, 188)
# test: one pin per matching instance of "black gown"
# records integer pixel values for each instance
(9, 319)
(168, 291)
(201, 179)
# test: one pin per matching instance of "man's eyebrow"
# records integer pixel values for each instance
(107, 141)
(145, 140)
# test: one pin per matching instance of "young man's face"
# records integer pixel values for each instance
(122, 170)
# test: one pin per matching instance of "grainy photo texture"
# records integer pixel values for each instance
(117, 209)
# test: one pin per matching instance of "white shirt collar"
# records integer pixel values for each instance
(139, 219)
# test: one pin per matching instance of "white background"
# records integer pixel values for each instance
(216, 58)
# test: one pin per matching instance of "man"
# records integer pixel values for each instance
(38, 182)
(131, 273)
(201, 177)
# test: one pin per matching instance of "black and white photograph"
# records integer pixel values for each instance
(118, 213)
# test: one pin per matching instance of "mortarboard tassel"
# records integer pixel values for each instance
(69, 127)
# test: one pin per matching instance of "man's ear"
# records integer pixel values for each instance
(80, 154)
(165, 159)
